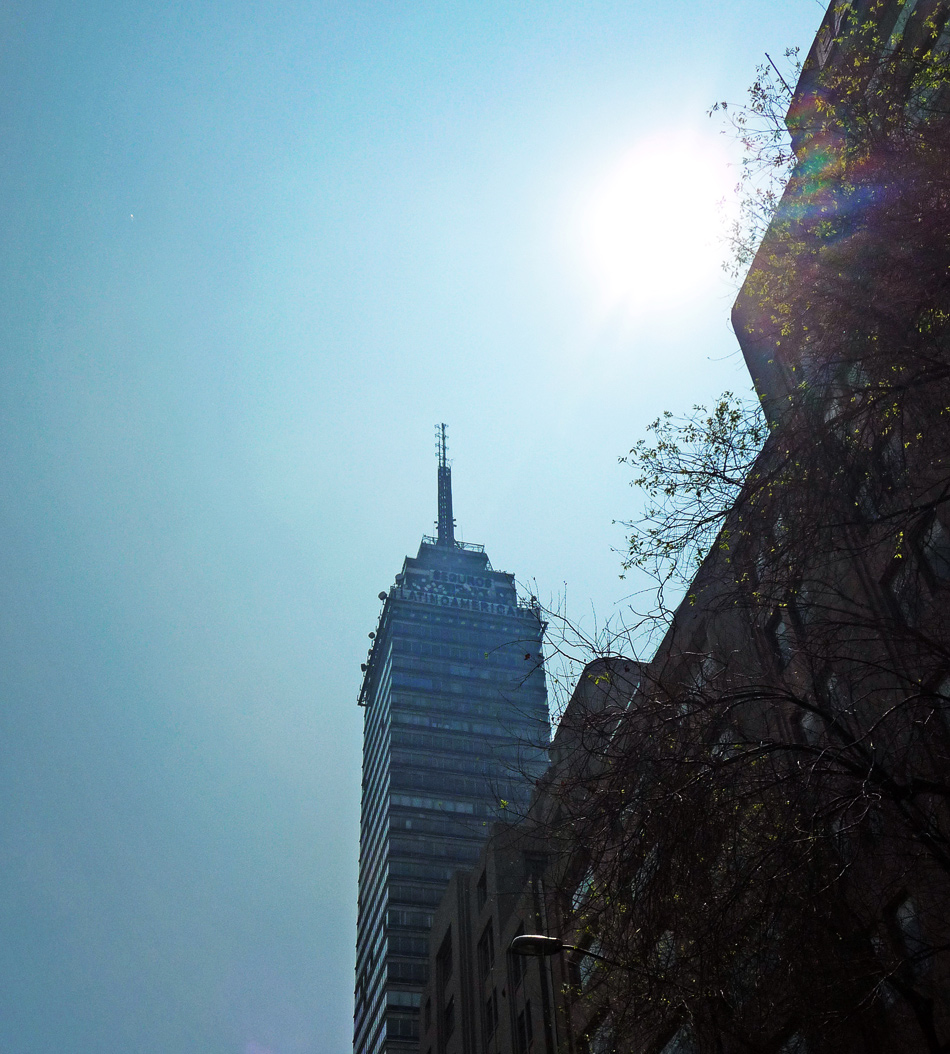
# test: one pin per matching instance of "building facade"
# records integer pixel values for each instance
(455, 730)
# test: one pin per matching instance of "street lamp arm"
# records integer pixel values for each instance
(593, 955)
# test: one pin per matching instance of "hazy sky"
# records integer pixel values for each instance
(252, 251)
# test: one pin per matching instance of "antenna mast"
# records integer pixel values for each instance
(446, 520)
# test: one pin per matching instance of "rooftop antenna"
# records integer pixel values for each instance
(446, 520)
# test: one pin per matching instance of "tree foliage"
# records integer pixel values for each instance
(691, 470)
(767, 158)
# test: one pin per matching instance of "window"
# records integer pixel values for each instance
(935, 547)
(490, 1014)
(448, 1017)
(403, 998)
(779, 630)
(704, 671)
(518, 963)
(601, 1040)
(521, 1036)
(832, 693)
(901, 23)
(582, 890)
(645, 873)
(812, 726)
(415, 919)
(847, 393)
(665, 950)
(681, 1043)
(400, 1026)
(907, 919)
(401, 972)
(903, 586)
(486, 951)
(941, 699)
(481, 890)
(408, 945)
(443, 961)
(587, 963)
(441, 804)
(727, 743)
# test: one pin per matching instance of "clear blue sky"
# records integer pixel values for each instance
(251, 253)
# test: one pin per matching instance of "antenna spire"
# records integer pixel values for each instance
(446, 520)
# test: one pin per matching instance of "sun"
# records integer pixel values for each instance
(651, 226)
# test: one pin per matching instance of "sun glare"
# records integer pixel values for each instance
(651, 228)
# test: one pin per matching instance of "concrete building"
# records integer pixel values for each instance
(455, 730)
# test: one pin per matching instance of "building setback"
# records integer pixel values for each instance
(455, 731)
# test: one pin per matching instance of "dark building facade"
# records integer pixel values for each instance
(455, 730)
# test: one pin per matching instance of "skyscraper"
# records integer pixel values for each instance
(455, 730)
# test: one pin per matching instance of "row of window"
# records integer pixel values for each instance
(401, 893)
(402, 1026)
(453, 826)
(449, 724)
(416, 920)
(412, 801)
(486, 705)
(429, 872)
(402, 972)
(395, 997)
(451, 627)
(507, 656)
(400, 945)
(445, 762)
(475, 671)
(421, 780)
(449, 745)
(457, 851)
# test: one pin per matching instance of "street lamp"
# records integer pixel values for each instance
(541, 946)
(535, 944)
